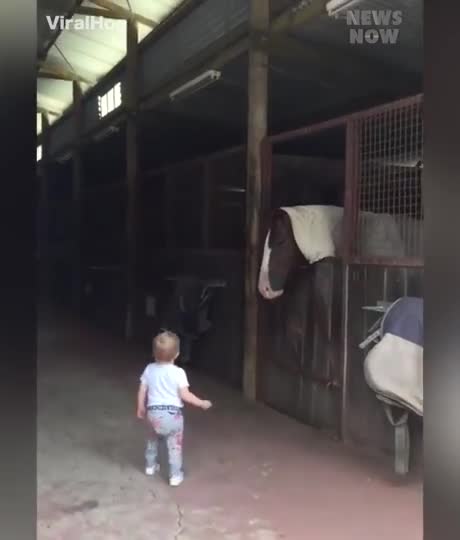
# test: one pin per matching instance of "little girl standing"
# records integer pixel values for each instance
(162, 392)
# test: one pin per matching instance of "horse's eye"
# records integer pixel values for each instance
(278, 242)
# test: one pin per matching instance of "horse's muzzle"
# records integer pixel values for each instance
(265, 288)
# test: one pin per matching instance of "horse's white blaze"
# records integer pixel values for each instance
(265, 288)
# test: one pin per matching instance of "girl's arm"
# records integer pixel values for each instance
(190, 398)
(141, 396)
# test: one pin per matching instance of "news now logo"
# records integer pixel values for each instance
(370, 26)
(87, 22)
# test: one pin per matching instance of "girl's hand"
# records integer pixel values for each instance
(205, 405)
(141, 413)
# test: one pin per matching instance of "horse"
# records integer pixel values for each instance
(305, 235)
(282, 256)
(311, 233)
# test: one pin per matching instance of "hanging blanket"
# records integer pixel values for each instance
(394, 367)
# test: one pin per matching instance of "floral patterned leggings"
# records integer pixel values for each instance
(166, 423)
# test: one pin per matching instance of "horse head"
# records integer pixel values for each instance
(281, 255)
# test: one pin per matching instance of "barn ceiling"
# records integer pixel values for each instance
(86, 54)
(314, 73)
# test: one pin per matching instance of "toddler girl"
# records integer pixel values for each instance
(163, 390)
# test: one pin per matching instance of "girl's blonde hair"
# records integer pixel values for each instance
(166, 346)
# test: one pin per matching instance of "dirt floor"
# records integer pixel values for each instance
(251, 474)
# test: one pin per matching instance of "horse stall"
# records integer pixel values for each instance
(103, 214)
(58, 233)
(311, 363)
(193, 228)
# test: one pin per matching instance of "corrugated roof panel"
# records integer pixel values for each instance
(92, 52)
(156, 10)
(54, 96)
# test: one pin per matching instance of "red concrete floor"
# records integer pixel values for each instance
(250, 472)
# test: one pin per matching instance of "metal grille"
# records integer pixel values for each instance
(388, 184)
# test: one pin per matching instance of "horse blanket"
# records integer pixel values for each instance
(318, 232)
(394, 367)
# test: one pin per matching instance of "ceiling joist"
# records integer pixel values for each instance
(47, 111)
(124, 13)
(60, 74)
(98, 12)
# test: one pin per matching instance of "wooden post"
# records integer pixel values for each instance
(168, 209)
(257, 130)
(132, 177)
(205, 217)
(43, 239)
(351, 222)
(77, 178)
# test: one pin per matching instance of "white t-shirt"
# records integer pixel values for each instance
(163, 382)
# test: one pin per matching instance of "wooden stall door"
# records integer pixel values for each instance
(301, 354)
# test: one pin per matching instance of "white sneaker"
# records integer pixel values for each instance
(177, 480)
(150, 471)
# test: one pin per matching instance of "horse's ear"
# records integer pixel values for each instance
(273, 218)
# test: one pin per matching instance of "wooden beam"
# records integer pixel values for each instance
(43, 51)
(47, 75)
(257, 130)
(168, 204)
(132, 177)
(46, 111)
(98, 12)
(299, 15)
(125, 13)
(43, 241)
(207, 205)
(77, 180)
(45, 123)
(58, 73)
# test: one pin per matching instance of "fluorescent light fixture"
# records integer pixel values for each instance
(101, 135)
(64, 157)
(110, 100)
(196, 84)
(39, 152)
(232, 189)
(335, 7)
